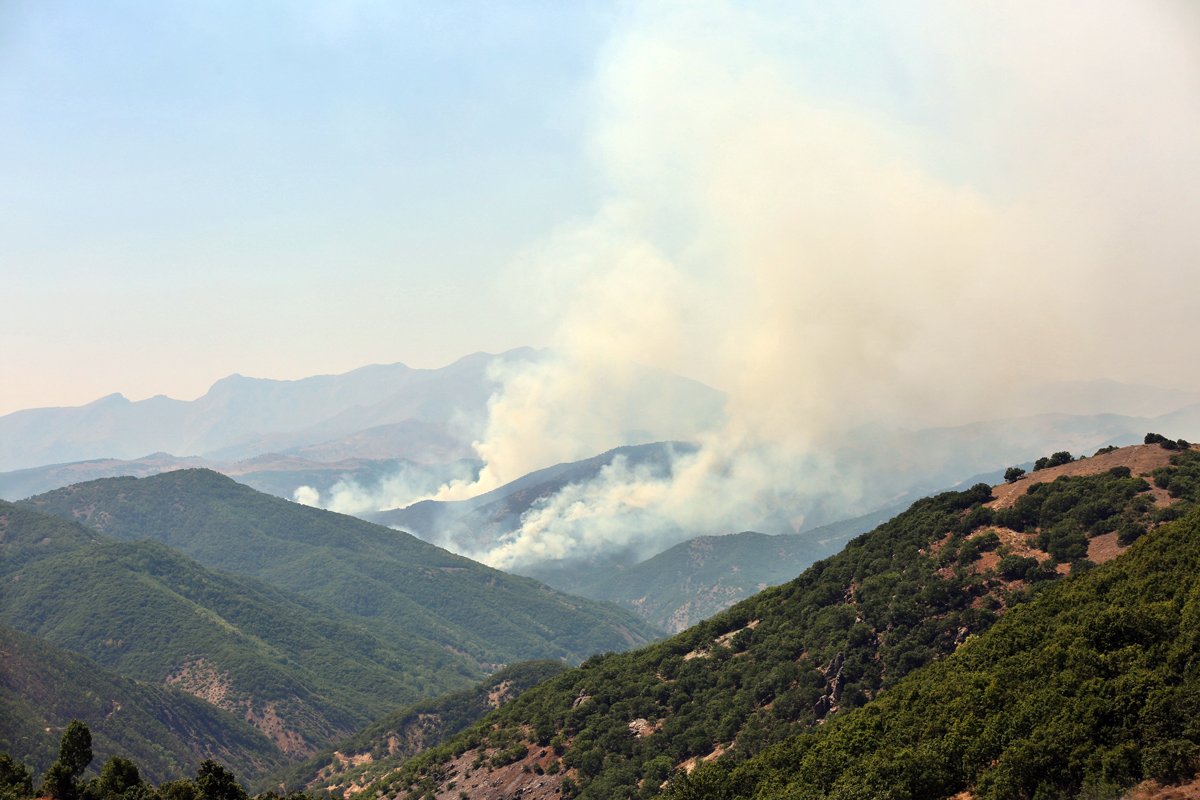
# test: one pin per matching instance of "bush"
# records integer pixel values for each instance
(1130, 532)
(1013, 474)
(1018, 567)
(1171, 761)
(1165, 443)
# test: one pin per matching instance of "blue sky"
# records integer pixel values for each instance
(276, 188)
(768, 196)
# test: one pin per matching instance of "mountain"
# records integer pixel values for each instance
(302, 673)
(280, 475)
(1086, 691)
(1082, 398)
(240, 416)
(375, 412)
(22, 483)
(478, 523)
(382, 747)
(695, 579)
(166, 731)
(845, 634)
(406, 590)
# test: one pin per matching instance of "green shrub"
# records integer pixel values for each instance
(1172, 761)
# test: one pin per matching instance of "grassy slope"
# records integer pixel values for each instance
(406, 589)
(166, 732)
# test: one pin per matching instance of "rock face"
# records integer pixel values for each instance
(835, 679)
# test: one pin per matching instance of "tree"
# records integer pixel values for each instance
(15, 781)
(58, 783)
(1060, 458)
(117, 776)
(75, 748)
(1013, 474)
(218, 783)
(61, 780)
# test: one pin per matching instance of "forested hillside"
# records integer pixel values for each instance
(841, 635)
(302, 673)
(1084, 692)
(405, 589)
(167, 731)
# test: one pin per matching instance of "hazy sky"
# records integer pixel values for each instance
(191, 189)
(279, 189)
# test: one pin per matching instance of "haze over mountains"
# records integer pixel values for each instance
(400, 434)
(381, 411)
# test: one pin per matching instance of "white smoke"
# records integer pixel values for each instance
(307, 495)
(404, 485)
(844, 234)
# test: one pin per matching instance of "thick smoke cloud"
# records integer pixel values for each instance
(897, 216)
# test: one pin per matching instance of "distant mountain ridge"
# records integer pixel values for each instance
(378, 411)
(242, 416)
(478, 522)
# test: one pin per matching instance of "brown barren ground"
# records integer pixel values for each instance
(1141, 459)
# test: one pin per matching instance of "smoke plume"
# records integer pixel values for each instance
(862, 219)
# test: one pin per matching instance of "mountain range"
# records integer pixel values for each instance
(406, 589)
(376, 412)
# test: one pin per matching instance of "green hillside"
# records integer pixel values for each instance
(379, 749)
(405, 589)
(795, 657)
(167, 732)
(302, 673)
(1084, 692)
(695, 579)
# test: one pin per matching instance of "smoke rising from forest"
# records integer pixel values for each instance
(895, 217)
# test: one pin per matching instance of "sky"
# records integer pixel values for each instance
(823, 210)
(278, 189)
